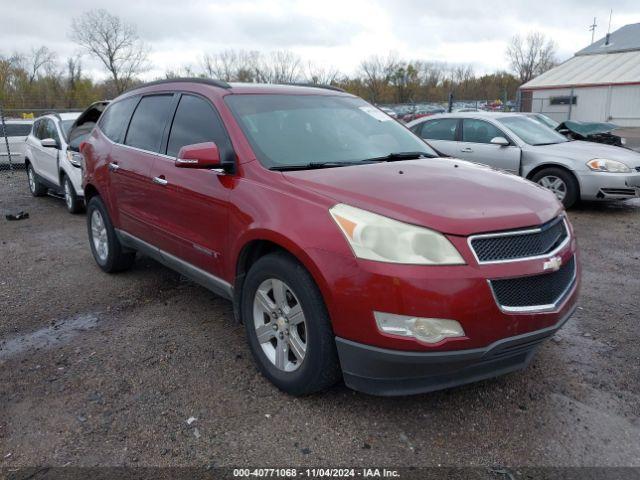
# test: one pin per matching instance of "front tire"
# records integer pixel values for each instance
(562, 183)
(288, 326)
(106, 248)
(73, 202)
(36, 188)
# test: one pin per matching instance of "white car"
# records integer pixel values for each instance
(52, 156)
(572, 169)
(16, 132)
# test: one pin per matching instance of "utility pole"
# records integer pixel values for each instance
(592, 29)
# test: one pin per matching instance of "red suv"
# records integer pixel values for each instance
(348, 248)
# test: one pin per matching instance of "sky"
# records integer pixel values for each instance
(329, 33)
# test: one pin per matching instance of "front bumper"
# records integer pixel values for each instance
(380, 371)
(609, 186)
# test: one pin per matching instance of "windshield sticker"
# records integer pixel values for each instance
(375, 113)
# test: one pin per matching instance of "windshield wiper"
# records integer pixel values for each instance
(398, 156)
(310, 166)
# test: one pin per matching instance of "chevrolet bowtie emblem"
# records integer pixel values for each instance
(552, 264)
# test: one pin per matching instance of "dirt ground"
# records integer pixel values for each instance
(105, 370)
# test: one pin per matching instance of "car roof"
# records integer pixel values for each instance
(224, 88)
(480, 115)
(61, 116)
(19, 121)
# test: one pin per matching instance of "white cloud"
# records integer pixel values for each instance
(337, 33)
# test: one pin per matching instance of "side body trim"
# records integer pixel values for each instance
(202, 277)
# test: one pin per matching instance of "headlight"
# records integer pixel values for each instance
(427, 330)
(604, 165)
(74, 158)
(374, 237)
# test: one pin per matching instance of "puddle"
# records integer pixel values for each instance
(59, 333)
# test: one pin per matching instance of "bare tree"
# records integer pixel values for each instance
(112, 41)
(39, 59)
(232, 65)
(531, 56)
(319, 75)
(280, 66)
(376, 73)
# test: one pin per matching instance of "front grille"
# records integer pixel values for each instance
(520, 243)
(546, 290)
(619, 191)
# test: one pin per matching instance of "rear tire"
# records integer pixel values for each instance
(281, 303)
(71, 199)
(107, 250)
(562, 183)
(36, 188)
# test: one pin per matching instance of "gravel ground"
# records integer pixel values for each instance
(100, 370)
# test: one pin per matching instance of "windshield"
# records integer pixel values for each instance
(549, 122)
(531, 131)
(288, 130)
(66, 126)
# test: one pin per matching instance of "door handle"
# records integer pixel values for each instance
(113, 166)
(466, 150)
(160, 181)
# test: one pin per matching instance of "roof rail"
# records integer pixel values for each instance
(55, 114)
(205, 81)
(315, 85)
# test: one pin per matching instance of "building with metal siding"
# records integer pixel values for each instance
(600, 83)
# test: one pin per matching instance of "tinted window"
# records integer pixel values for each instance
(17, 129)
(195, 122)
(148, 121)
(441, 129)
(479, 131)
(116, 118)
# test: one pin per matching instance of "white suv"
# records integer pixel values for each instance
(16, 132)
(52, 156)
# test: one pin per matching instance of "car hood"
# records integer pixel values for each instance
(585, 151)
(448, 195)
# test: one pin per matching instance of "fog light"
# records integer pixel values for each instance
(427, 330)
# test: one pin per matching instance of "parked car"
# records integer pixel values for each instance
(389, 111)
(572, 170)
(598, 132)
(52, 156)
(16, 132)
(347, 248)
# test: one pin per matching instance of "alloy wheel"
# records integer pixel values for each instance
(555, 184)
(99, 236)
(280, 324)
(68, 197)
(32, 180)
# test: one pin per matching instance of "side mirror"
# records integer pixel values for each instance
(199, 155)
(503, 142)
(49, 143)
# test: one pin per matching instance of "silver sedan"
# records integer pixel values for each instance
(513, 142)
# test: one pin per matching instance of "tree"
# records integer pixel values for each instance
(113, 42)
(319, 75)
(531, 56)
(40, 58)
(377, 72)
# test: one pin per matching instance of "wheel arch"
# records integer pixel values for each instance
(264, 243)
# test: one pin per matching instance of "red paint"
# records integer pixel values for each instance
(223, 213)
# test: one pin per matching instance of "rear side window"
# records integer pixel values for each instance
(479, 131)
(148, 121)
(116, 118)
(17, 129)
(441, 129)
(195, 121)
